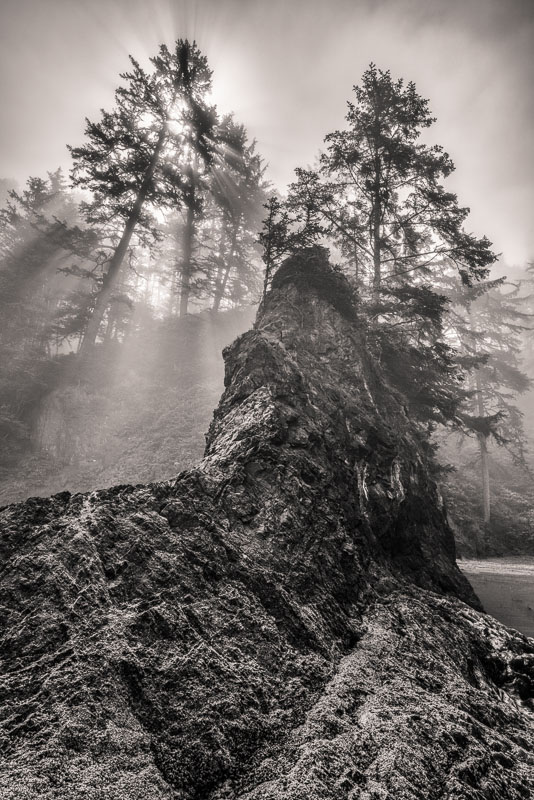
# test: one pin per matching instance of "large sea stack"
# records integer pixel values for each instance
(285, 622)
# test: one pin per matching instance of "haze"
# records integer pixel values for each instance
(286, 69)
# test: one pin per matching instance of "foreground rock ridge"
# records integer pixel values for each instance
(286, 621)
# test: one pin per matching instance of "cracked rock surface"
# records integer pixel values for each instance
(284, 622)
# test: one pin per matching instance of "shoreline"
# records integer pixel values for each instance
(505, 586)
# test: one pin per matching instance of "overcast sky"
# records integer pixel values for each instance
(287, 67)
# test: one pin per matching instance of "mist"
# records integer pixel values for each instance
(266, 399)
(114, 318)
(287, 70)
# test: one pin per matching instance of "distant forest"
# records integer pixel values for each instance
(121, 282)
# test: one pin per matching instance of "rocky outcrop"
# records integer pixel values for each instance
(285, 621)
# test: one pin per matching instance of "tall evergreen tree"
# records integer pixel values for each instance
(238, 191)
(289, 226)
(128, 162)
(378, 196)
(38, 237)
(489, 325)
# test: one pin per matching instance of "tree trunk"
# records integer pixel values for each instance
(376, 258)
(484, 466)
(377, 218)
(112, 316)
(220, 266)
(115, 263)
(484, 458)
(172, 293)
(356, 264)
(221, 285)
(268, 254)
(187, 267)
(174, 284)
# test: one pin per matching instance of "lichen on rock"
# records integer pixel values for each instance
(286, 621)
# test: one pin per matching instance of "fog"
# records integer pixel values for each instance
(191, 275)
(286, 69)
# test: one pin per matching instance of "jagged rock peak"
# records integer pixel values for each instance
(309, 402)
(282, 623)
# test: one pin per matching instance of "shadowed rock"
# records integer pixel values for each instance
(286, 621)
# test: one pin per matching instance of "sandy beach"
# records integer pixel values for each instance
(506, 588)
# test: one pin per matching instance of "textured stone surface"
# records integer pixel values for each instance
(286, 621)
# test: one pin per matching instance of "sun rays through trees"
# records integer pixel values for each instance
(168, 213)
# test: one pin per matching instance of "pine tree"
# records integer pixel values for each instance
(290, 225)
(38, 236)
(385, 197)
(377, 195)
(238, 191)
(142, 156)
(489, 325)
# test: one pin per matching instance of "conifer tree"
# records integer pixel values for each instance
(275, 238)
(129, 160)
(290, 225)
(38, 236)
(238, 191)
(489, 325)
(377, 195)
(379, 190)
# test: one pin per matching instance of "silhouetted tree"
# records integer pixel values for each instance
(143, 155)
(377, 195)
(289, 226)
(239, 193)
(378, 187)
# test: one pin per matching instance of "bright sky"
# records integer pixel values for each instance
(286, 67)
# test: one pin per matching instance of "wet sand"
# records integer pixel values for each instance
(506, 588)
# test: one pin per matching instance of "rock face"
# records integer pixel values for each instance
(286, 621)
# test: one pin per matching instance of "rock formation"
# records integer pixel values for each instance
(284, 622)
